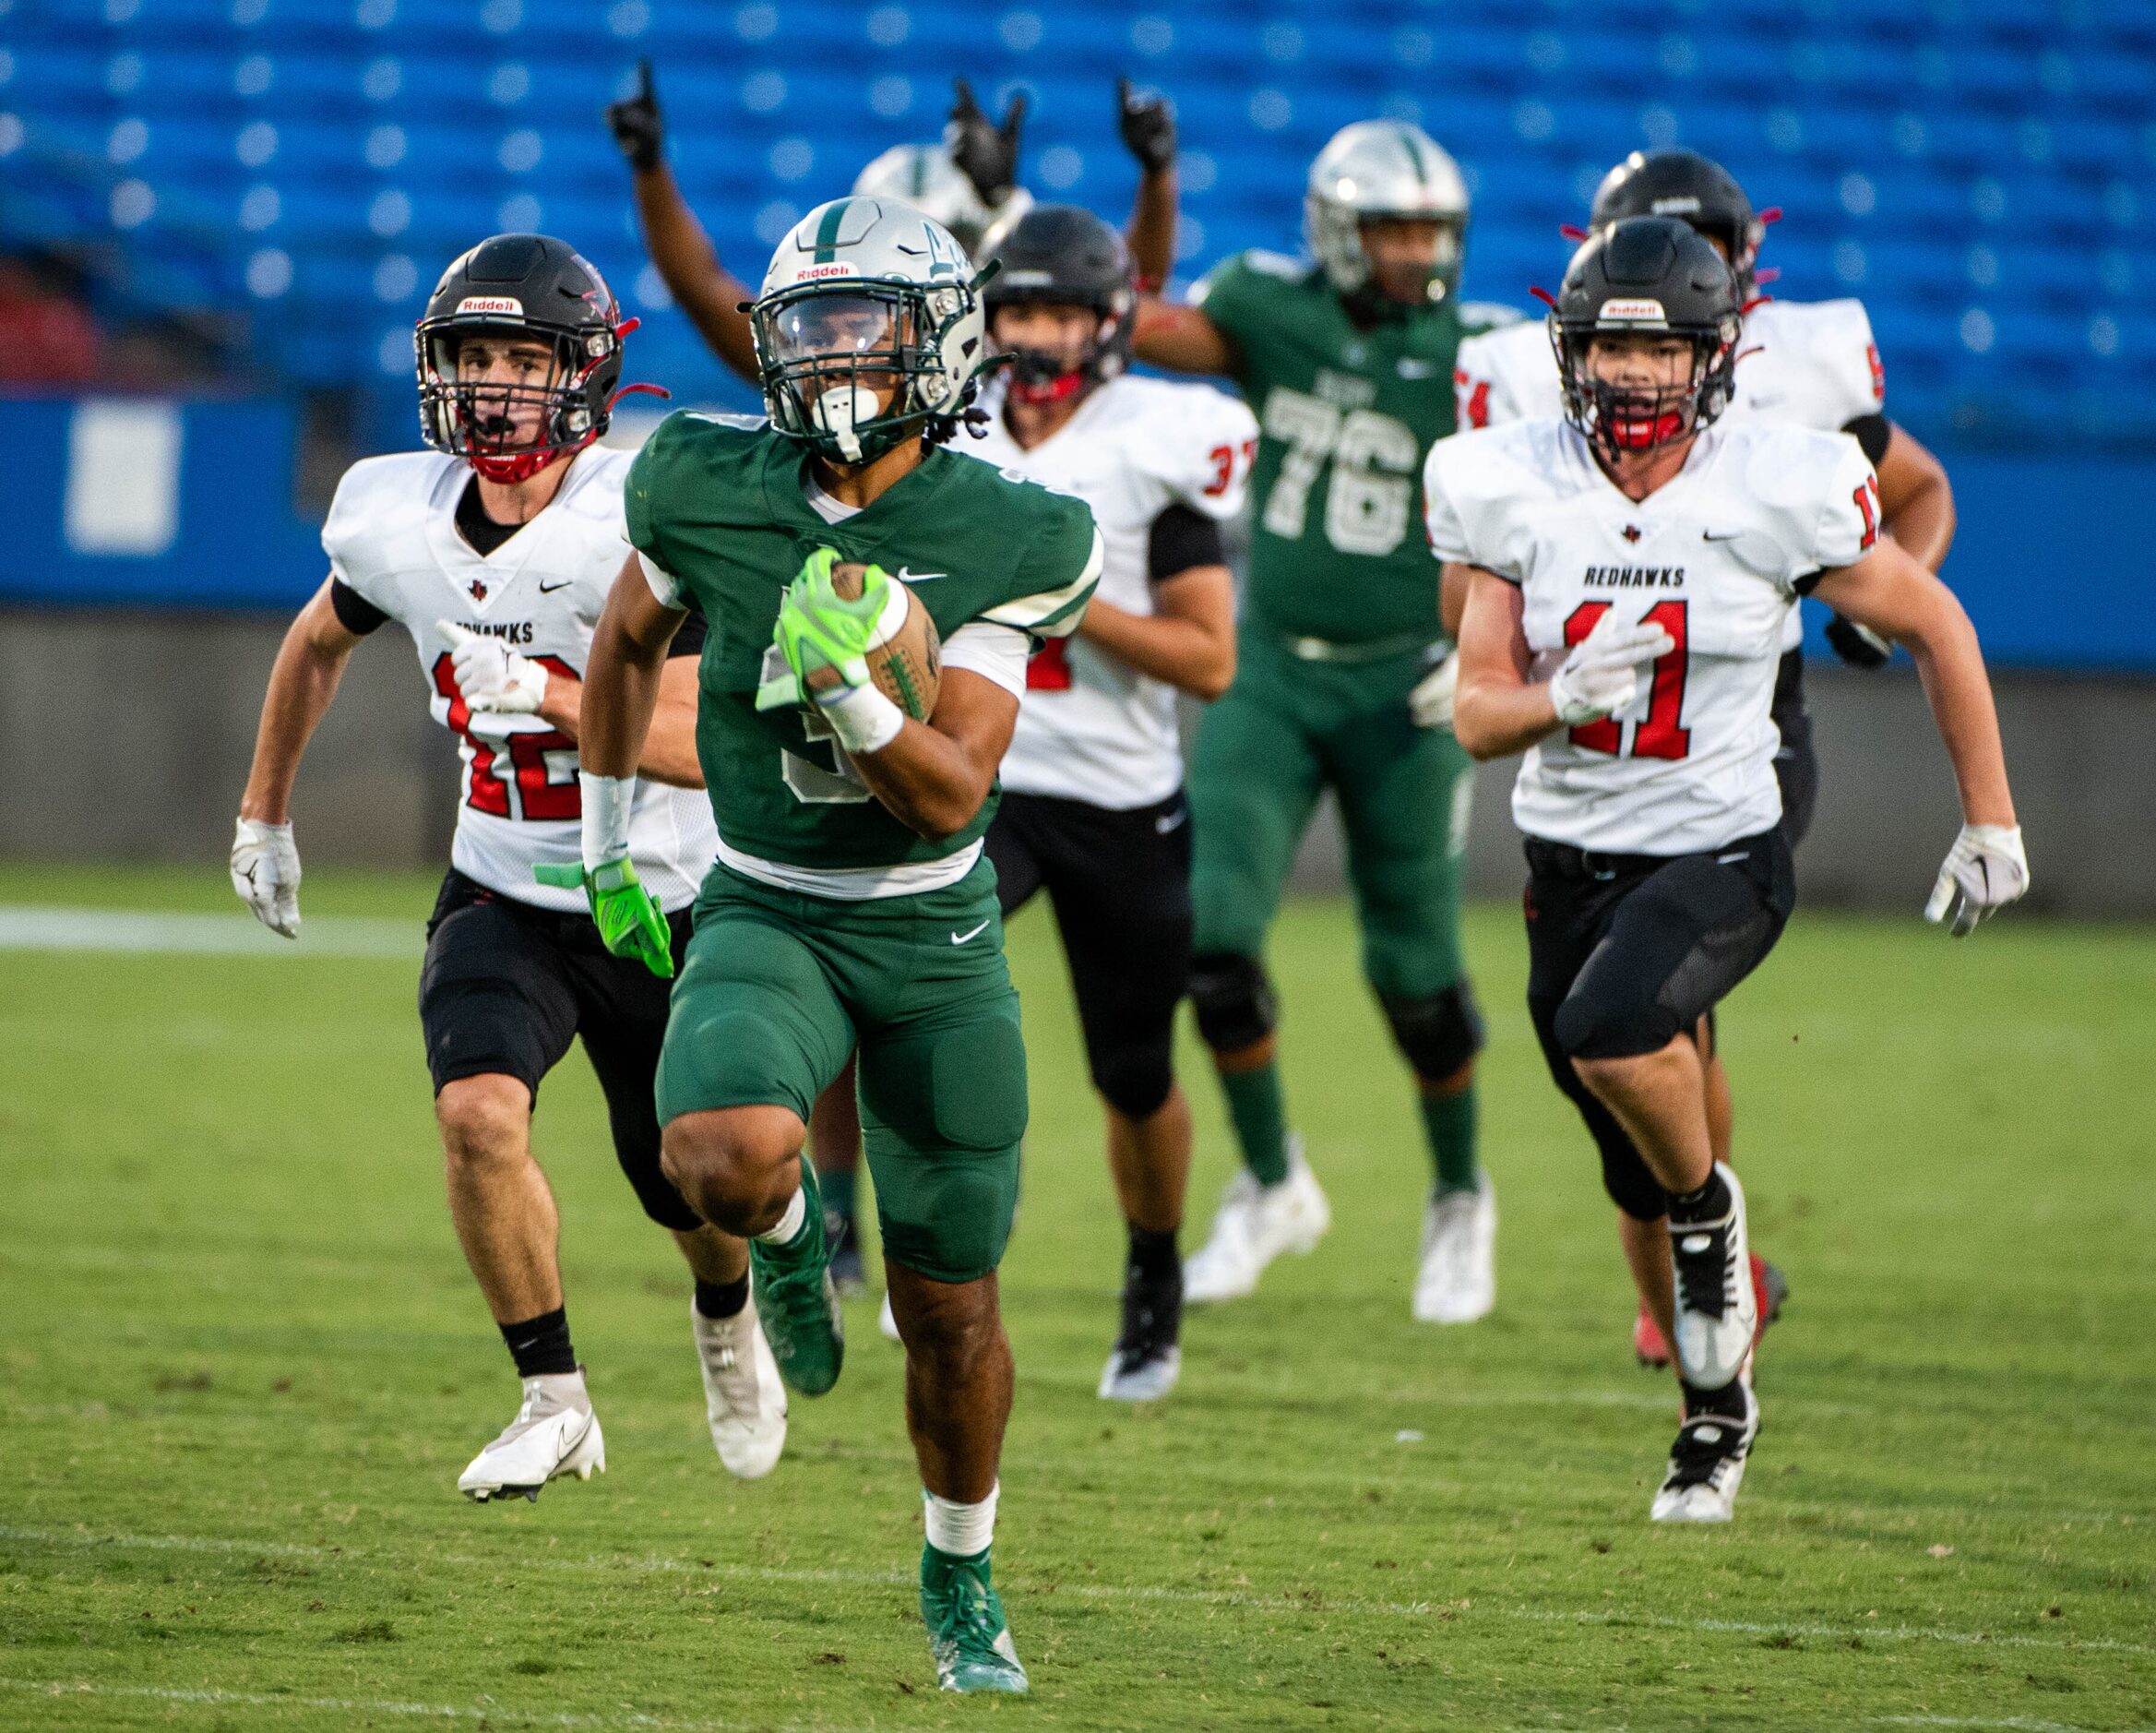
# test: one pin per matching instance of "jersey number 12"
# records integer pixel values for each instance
(536, 794)
(1659, 735)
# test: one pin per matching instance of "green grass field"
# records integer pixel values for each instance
(244, 1363)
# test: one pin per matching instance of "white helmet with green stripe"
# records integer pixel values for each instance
(869, 328)
(1383, 168)
(925, 176)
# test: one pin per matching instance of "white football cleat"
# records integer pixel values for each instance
(554, 1433)
(1718, 1309)
(1456, 1282)
(743, 1397)
(1254, 1224)
(1706, 1466)
(887, 1319)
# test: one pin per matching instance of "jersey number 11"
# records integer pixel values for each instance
(1659, 735)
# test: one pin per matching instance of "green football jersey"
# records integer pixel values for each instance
(1346, 412)
(718, 504)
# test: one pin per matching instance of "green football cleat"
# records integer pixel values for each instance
(967, 1631)
(797, 1300)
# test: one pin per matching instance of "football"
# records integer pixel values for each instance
(906, 662)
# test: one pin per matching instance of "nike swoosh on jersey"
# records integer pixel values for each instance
(1727, 535)
(906, 577)
(959, 938)
(547, 589)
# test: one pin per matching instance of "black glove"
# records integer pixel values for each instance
(638, 125)
(986, 154)
(1148, 125)
(1858, 645)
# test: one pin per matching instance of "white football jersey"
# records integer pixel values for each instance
(1714, 557)
(1090, 727)
(392, 536)
(1810, 362)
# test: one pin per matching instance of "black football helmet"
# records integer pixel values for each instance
(532, 286)
(1646, 276)
(1063, 255)
(1694, 189)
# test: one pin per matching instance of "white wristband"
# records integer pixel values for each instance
(863, 718)
(607, 804)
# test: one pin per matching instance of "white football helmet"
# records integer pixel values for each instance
(925, 176)
(1383, 168)
(869, 328)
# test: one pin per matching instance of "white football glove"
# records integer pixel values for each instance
(266, 872)
(1601, 674)
(1430, 702)
(491, 675)
(1986, 870)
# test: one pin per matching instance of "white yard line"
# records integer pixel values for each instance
(1316, 1603)
(140, 931)
(489, 1713)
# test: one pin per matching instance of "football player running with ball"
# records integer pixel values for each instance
(495, 551)
(1627, 571)
(1810, 362)
(1093, 808)
(850, 906)
(1343, 680)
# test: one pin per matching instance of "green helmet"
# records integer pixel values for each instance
(869, 329)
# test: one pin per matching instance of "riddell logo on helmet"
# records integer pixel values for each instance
(1684, 205)
(829, 270)
(1641, 310)
(491, 303)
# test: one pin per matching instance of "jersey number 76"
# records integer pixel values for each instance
(1659, 736)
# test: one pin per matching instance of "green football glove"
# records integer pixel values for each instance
(629, 922)
(818, 629)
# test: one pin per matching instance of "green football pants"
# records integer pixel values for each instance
(1287, 730)
(779, 988)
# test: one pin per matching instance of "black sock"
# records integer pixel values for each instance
(721, 1300)
(1710, 1203)
(1153, 1257)
(541, 1345)
(1727, 1402)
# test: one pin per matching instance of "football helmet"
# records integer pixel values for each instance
(1063, 256)
(925, 176)
(869, 329)
(1694, 189)
(535, 287)
(1652, 276)
(1383, 168)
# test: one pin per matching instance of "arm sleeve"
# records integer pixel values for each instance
(1057, 578)
(1181, 539)
(994, 652)
(1873, 433)
(644, 515)
(354, 612)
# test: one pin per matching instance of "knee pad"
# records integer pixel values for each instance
(1439, 1034)
(1136, 1077)
(1605, 1019)
(1233, 1000)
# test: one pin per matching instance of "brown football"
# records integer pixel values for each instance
(907, 666)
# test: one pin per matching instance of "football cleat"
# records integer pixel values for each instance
(1456, 1282)
(1768, 1282)
(1145, 1361)
(967, 1631)
(744, 1399)
(796, 1302)
(554, 1433)
(1706, 1466)
(1718, 1309)
(1254, 1224)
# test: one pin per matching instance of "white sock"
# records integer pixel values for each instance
(960, 1529)
(787, 1228)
